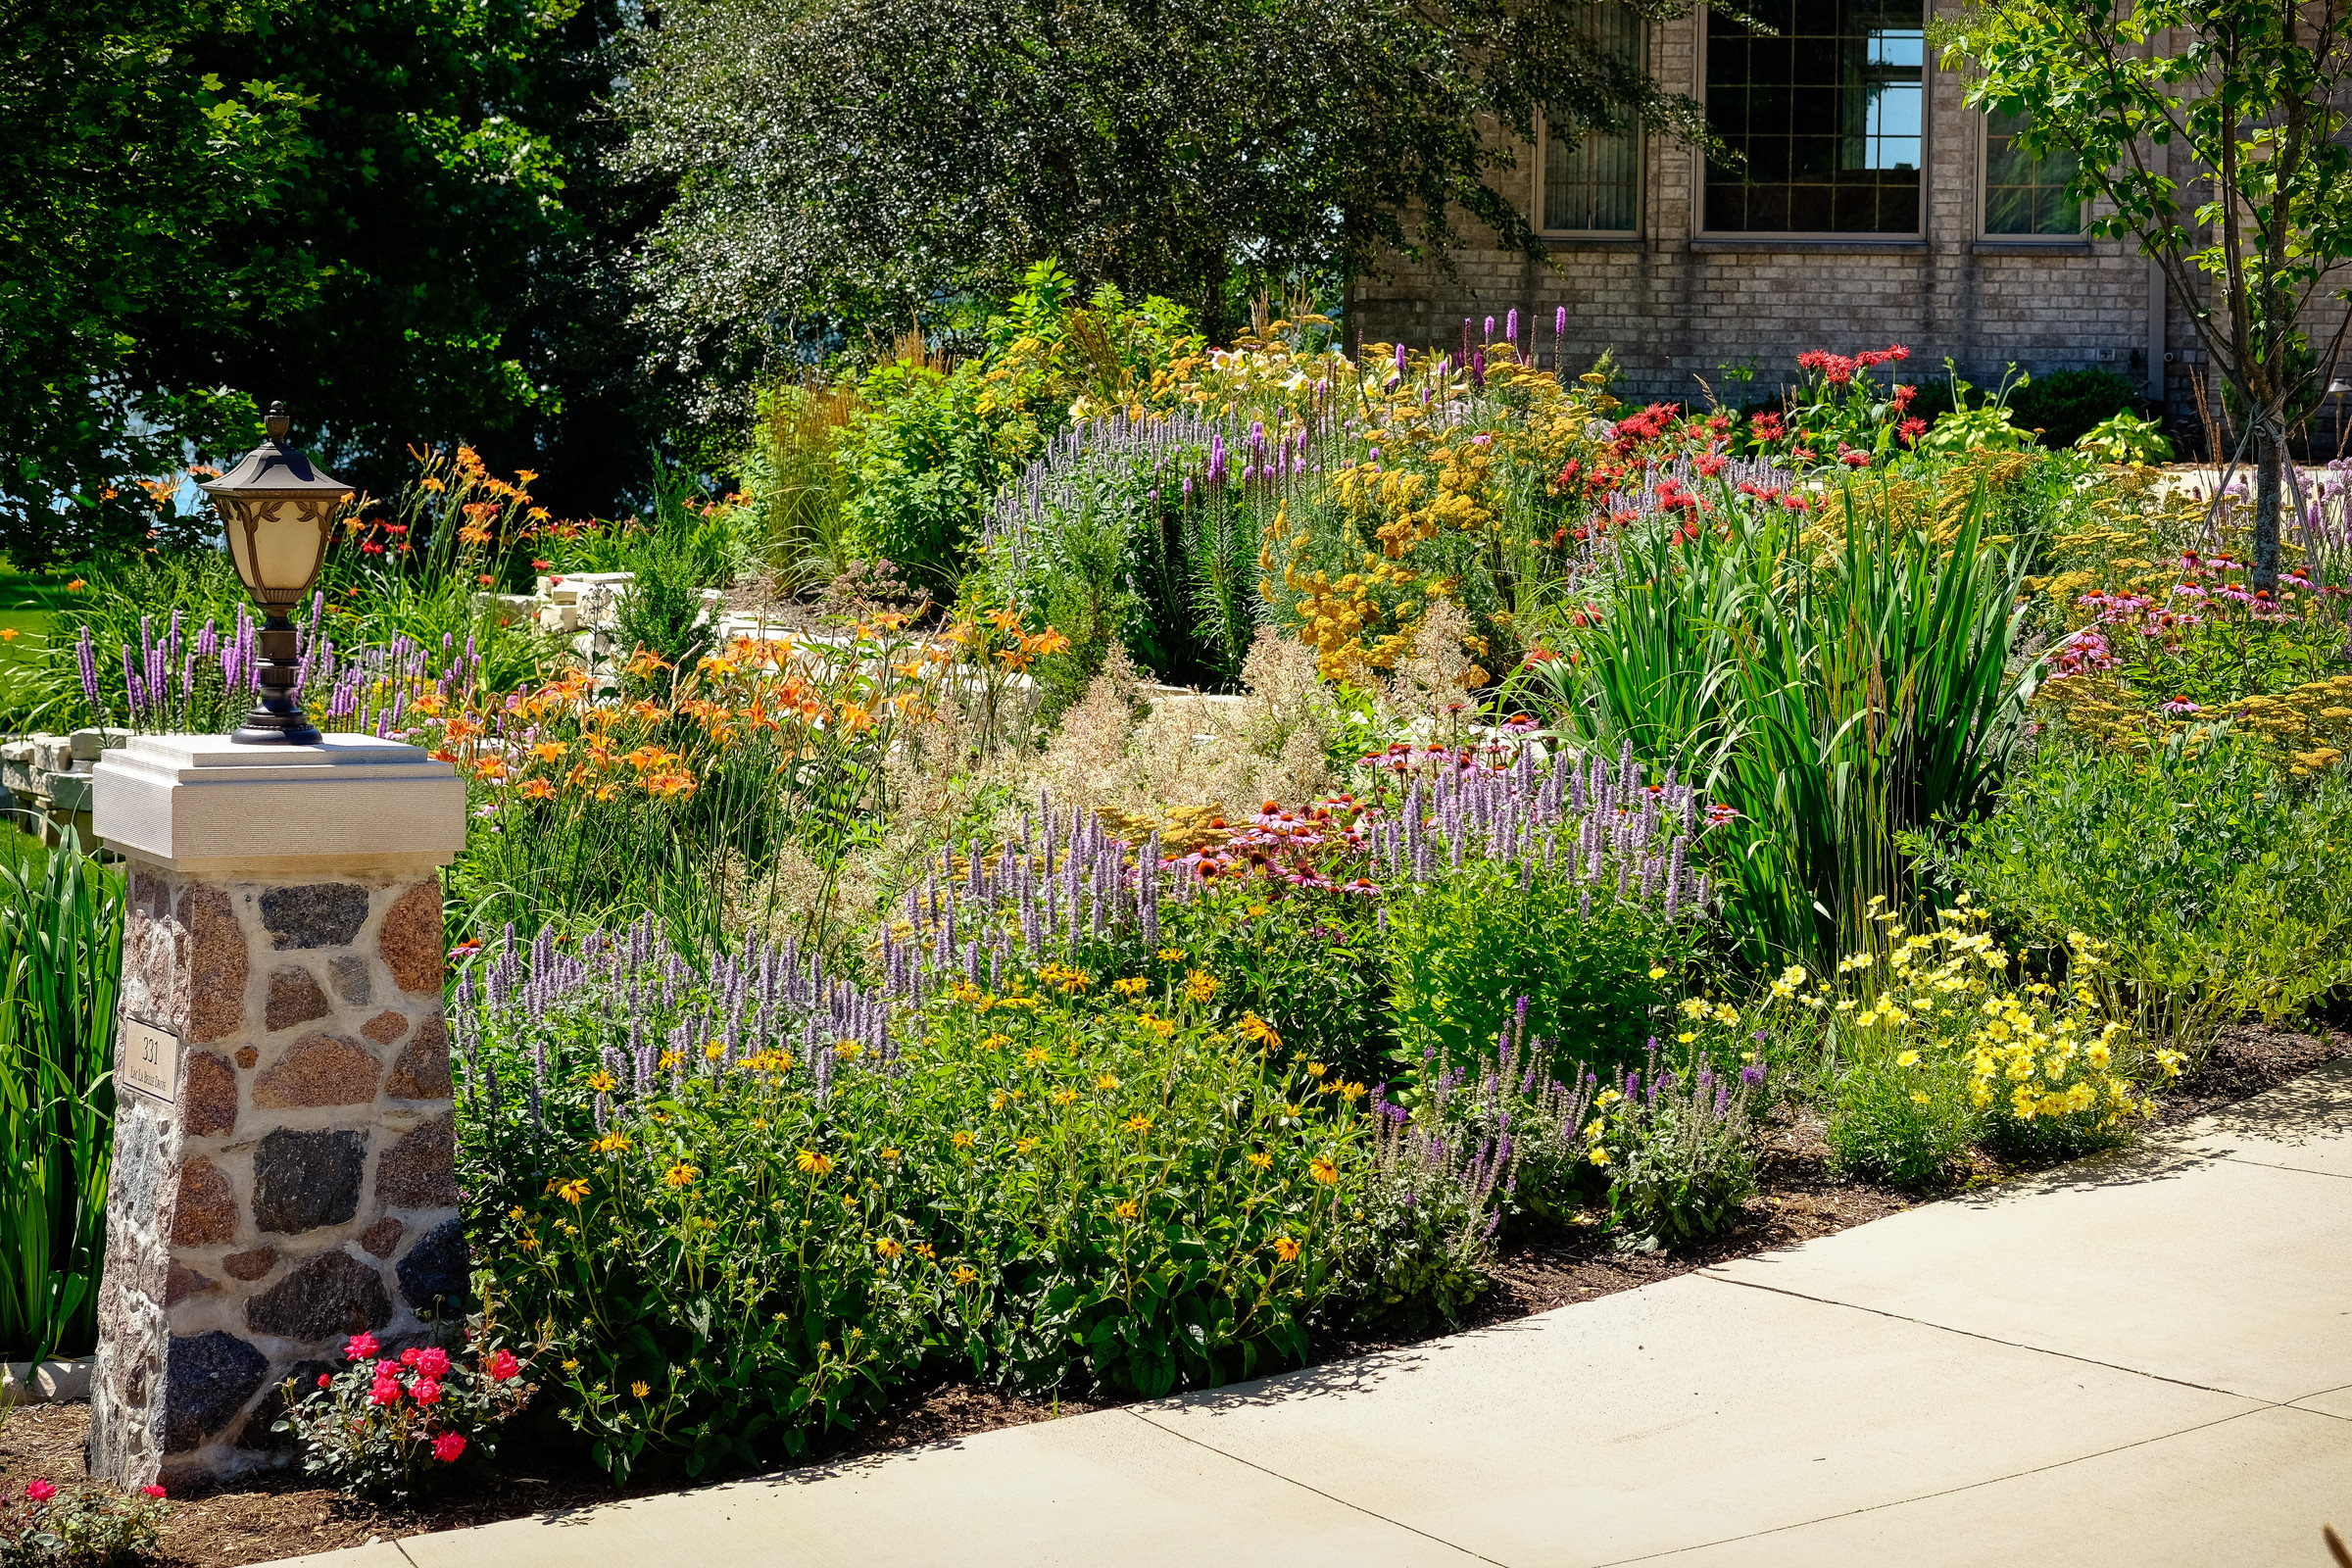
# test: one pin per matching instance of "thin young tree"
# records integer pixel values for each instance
(2253, 92)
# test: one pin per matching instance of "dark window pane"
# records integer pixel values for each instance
(2024, 194)
(1831, 115)
(1591, 182)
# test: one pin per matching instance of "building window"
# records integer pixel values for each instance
(1828, 114)
(2025, 194)
(1591, 185)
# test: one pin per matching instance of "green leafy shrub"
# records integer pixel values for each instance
(2221, 887)
(1465, 950)
(922, 464)
(930, 442)
(2063, 406)
(88, 1525)
(1681, 1148)
(1904, 1119)
(402, 1427)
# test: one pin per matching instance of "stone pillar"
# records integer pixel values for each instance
(283, 1129)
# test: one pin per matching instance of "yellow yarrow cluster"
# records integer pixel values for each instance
(2311, 722)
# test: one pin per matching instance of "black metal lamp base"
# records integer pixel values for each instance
(298, 733)
(276, 719)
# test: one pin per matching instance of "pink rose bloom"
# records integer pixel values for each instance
(40, 1490)
(447, 1447)
(433, 1363)
(502, 1366)
(362, 1346)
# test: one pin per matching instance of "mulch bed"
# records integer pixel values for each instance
(286, 1517)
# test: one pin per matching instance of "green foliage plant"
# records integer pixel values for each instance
(1465, 950)
(1830, 685)
(2216, 882)
(1680, 1145)
(2125, 438)
(2248, 90)
(400, 1428)
(1903, 1119)
(61, 949)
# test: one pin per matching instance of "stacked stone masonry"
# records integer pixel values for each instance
(303, 1191)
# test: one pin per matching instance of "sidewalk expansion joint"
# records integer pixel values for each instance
(1946, 1491)
(1293, 1481)
(2296, 1170)
(1989, 1339)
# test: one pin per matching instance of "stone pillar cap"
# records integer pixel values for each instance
(204, 806)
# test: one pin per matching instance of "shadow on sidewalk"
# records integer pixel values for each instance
(2312, 1109)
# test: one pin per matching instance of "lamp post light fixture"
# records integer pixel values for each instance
(2336, 390)
(276, 510)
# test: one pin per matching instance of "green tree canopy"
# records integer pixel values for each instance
(839, 159)
(2252, 91)
(392, 214)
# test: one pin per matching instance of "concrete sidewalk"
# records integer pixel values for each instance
(2144, 1359)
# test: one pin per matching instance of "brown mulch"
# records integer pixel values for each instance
(286, 1517)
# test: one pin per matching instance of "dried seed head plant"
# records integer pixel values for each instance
(1436, 680)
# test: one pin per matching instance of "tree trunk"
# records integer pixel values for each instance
(2270, 455)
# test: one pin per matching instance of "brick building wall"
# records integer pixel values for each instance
(1675, 306)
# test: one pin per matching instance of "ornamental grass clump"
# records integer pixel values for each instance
(400, 1428)
(61, 956)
